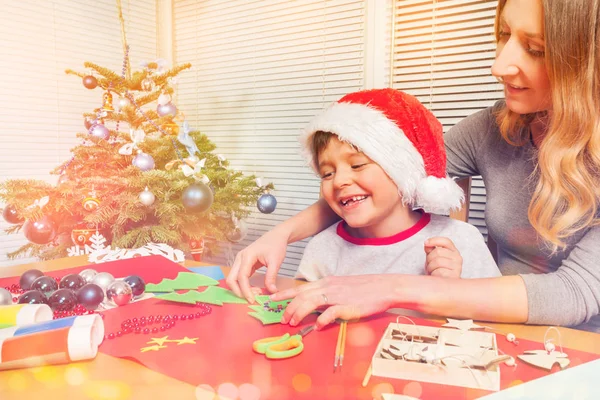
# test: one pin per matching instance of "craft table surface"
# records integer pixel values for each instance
(108, 377)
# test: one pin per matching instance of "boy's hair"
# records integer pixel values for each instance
(320, 140)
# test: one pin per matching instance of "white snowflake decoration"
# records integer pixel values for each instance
(97, 245)
(107, 254)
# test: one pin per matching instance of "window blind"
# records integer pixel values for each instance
(442, 54)
(42, 105)
(261, 70)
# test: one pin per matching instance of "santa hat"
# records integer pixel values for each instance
(397, 132)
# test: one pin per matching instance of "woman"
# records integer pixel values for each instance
(539, 155)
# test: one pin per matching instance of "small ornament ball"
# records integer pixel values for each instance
(99, 131)
(147, 197)
(266, 203)
(10, 214)
(549, 346)
(239, 232)
(90, 82)
(511, 337)
(90, 296)
(41, 231)
(33, 297)
(119, 292)
(143, 161)
(45, 284)
(5, 297)
(166, 109)
(197, 197)
(88, 275)
(71, 281)
(62, 300)
(137, 285)
(28, 277)
(103, 279)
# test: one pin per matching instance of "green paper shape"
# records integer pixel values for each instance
(184, 280)
(265, 316)
(188, 297)
(218, 295)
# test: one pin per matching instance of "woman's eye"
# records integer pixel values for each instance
(536, 53)
(357, 166)
(327, 175)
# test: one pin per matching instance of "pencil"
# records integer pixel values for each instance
(344, 328)
(338, 347)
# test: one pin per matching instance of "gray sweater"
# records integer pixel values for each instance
(335, 252)
(562, 289)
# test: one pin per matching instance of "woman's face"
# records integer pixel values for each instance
(520, 62)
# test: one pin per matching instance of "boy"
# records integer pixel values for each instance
(381, 158)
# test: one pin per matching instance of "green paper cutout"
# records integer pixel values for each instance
(2, 326)
(265, 316)
(184, 280)
(212, 295)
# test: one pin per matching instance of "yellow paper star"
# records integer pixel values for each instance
(186, 340)
(159, 341)
(152, 348)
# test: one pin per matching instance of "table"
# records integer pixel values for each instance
(108, 377)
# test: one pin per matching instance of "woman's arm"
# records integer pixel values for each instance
(501, 299)
(269, 249)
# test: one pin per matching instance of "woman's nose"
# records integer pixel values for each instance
(507, 61)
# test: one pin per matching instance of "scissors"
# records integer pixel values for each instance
(285, 346)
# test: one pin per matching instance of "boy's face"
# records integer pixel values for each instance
(358, 190)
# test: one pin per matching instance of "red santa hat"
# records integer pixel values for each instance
(397, 132)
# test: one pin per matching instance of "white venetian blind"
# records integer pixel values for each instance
(42, 106)
(443, 52)
(261, 70)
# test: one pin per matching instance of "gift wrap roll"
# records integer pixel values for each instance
(24, 314)
(55, 342)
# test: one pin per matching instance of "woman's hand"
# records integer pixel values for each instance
(443, 258)
(345, 297)
(268, 250)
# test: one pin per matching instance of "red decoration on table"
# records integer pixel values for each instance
(197, 248)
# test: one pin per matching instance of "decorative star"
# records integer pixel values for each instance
(152, 348)
(159, 341)
(186, 340)
(463, 325)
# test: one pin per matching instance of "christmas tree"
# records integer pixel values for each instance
(140, 175)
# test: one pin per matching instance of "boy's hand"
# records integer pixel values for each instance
(443, 259)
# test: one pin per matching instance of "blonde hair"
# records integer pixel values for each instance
(567, 194)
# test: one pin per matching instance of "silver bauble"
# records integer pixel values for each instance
(266, 203)
(197, 197)
(103, 279)
(147, 197)
(239, 232)
(88, 275)
(143, 161)
(119, 293)
(99, 131)
(5, 297)
(166, 109)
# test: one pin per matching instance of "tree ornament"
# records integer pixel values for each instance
(41, 231)
(197, 248)
(71, 281)
(107, 102)
(239, 232)
(147, 197)
(90, 296)
(197, 197)
(28, 277)
(103, 279)
(90, 203)
(143, 161)
(88, 275)
(62, 300)
(81, 236)
(10, 214)
(45, 284)
(147, 84)
(33, 297)
(137, 285)
(123, 102)
(5, 297)
(266, 203)
(119, 292)
(90, 82)
(99, 131)
(166, 109)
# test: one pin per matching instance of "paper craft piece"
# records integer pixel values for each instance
(268, 312)
(100, 255)
(159, 343)
(184, 280)
(212, 271)
(212, 295)
(152, 348)
(462, 324)
(543, 359)
(431, 354)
